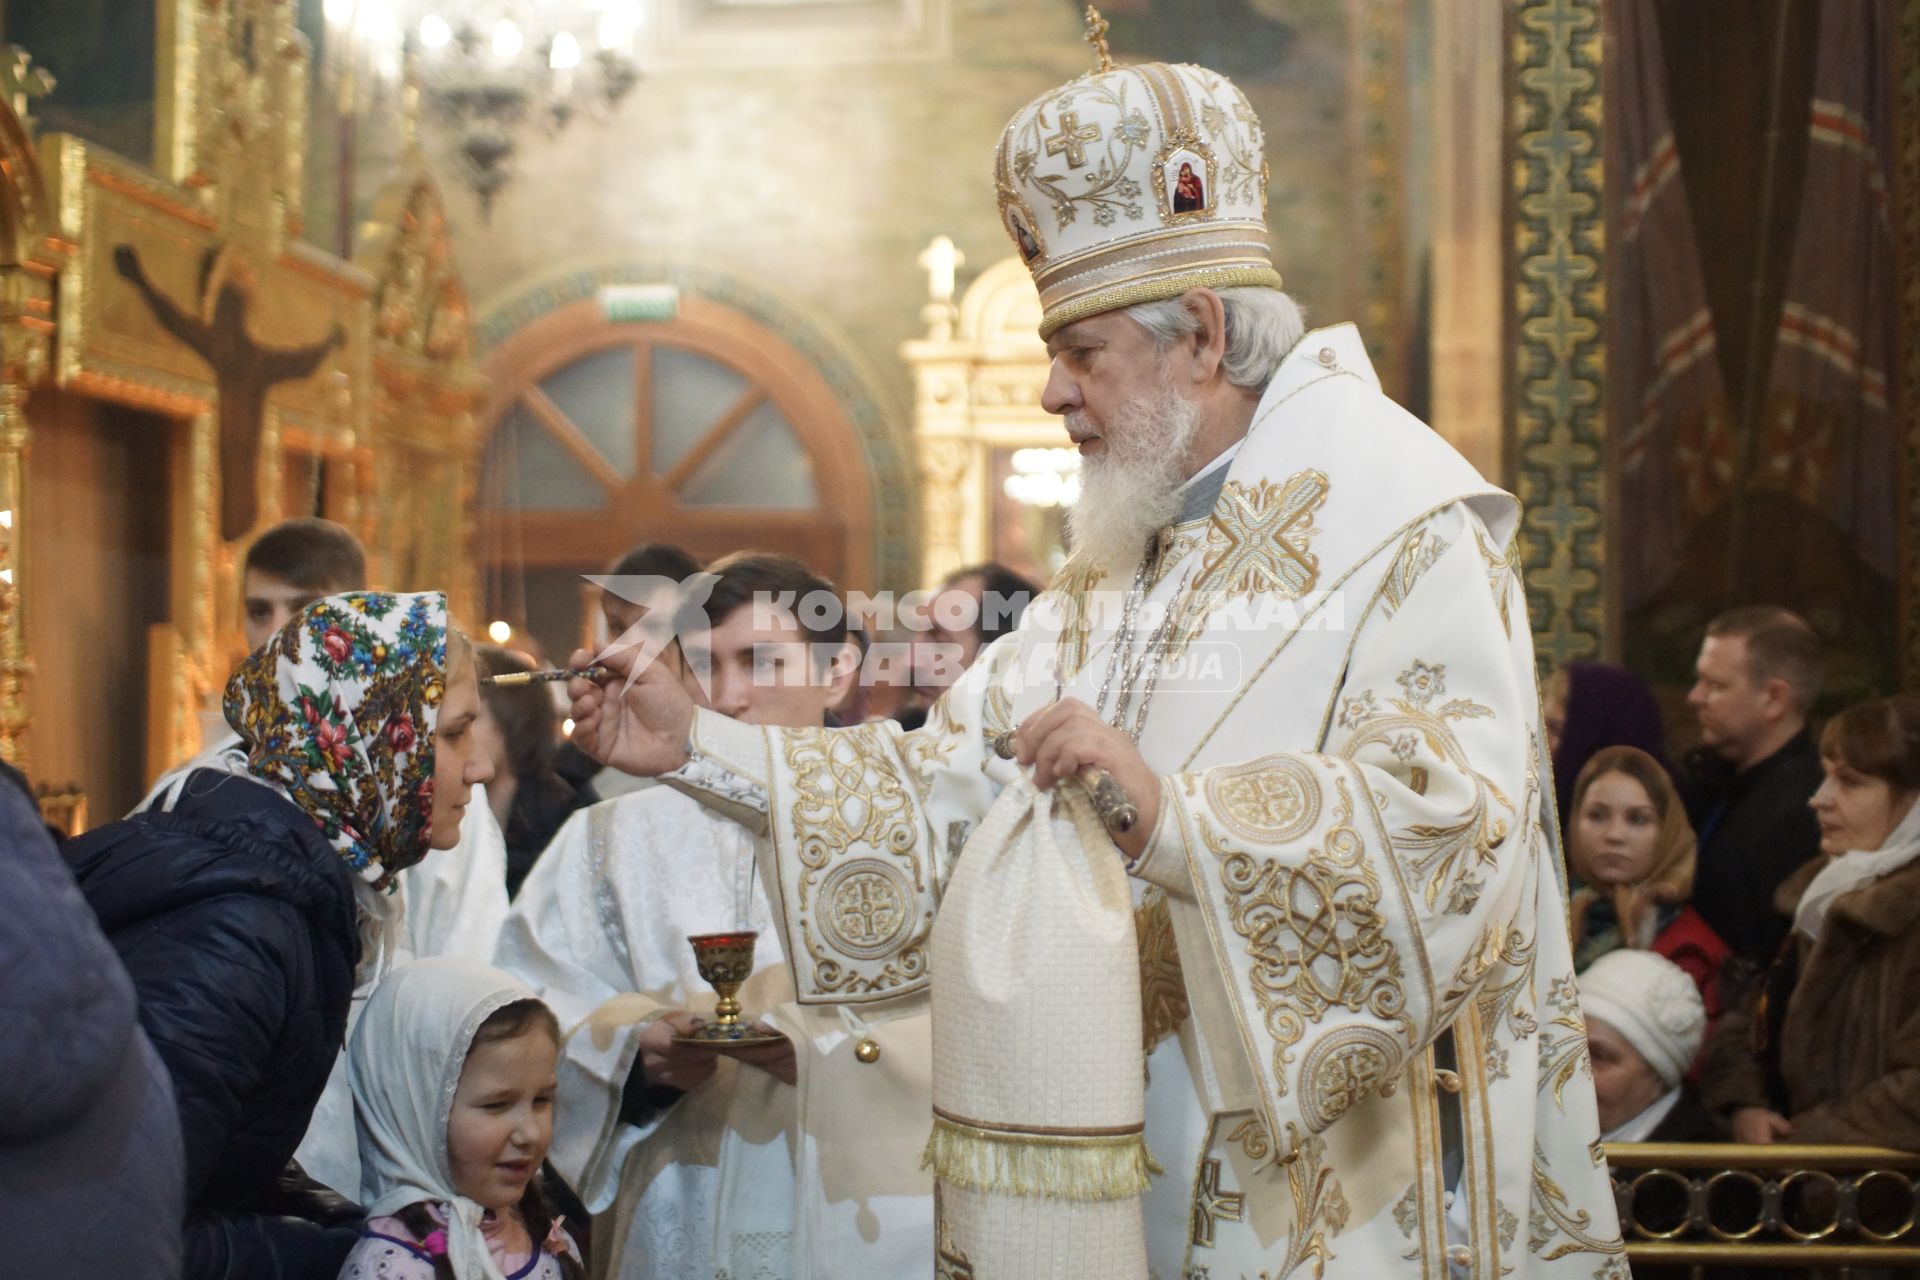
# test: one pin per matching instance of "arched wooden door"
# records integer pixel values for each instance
(705, 430)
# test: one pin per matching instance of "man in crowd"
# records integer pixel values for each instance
(286, 569)
(695, 1153)
(1760, 669)
(1339, 820)
(973, 607)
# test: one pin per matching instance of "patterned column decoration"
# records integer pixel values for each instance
(1554, 412)
(1906, 126)
(1378, 97)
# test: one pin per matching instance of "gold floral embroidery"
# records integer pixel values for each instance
(949, 1262)
(1553, 1220)
(1416, 555)
(1447, 856)
(1271, 800)
(930, 747)
(1320, 1209)
(1251, 1135)
(1503, 575)
(849, 797)
(1563, 1041)
(1071, 594)
(1163, 991)
(1315, 935)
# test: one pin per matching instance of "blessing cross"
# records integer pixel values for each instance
(21, 82)
(1097, 37)
(1071, 138)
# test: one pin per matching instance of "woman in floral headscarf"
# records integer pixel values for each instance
(243, 902)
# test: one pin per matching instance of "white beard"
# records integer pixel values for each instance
(1129, 489)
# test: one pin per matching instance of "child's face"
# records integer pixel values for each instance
(502, 1119)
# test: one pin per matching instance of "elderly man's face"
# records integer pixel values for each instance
(1623, 1081)
(1101, 365)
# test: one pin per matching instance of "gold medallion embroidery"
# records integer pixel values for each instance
(1271, 800)
(1342, 1069)
(869, 908)
(1315, 935)
(864, 920)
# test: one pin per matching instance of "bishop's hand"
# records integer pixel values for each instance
(1066, 738)
(637, 719)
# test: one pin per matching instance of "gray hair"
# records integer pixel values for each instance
(1263, 324)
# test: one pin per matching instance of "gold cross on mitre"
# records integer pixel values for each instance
(21, 82)
(1097, 37)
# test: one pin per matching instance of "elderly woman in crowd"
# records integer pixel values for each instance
(1631, 850)
(1828, 1051)
(1645, 1024)
(244, 900)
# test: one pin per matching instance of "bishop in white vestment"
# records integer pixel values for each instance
(1294, 633)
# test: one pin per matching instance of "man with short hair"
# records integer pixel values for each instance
(1759, 670)
(286, 569)
(972, 608)
(1293, 635)
(694, 1154)
(290, 566)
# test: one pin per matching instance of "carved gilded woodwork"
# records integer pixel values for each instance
(977, 376)
(365, 369)
(426, 391)
(31, 252)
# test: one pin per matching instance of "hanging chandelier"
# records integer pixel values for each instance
(492, 74)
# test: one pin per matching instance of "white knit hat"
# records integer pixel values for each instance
(1651, 1002)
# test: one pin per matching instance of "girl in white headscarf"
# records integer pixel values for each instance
(452, 1067)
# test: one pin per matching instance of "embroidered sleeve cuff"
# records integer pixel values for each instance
(726, 769)
(1164, 860)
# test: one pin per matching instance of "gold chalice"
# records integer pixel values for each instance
(725, 960)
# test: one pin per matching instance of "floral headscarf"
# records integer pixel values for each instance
(338, 710)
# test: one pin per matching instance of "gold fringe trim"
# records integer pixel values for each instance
(1067, 1167)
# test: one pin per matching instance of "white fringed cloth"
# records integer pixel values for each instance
(1038, 1082)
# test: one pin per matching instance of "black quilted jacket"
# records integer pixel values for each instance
(236, 921)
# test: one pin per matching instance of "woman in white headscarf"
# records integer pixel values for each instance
(452, 1066)
(1829, 1050)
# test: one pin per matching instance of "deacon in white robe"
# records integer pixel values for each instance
(729, 1179)
(1294, 633)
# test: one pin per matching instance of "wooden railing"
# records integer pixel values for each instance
(1703, 1206)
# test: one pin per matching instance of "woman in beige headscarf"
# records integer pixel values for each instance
(1632, 851)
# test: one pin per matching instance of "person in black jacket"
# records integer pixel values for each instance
(1759, 670)
(91, 1166)
(243, 905)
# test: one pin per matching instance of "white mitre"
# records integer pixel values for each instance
(1133, 184)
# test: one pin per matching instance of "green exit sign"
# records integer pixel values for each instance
(630, 303)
